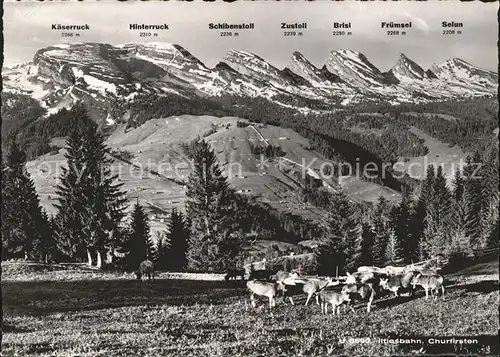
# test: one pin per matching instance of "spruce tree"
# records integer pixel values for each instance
(474, 186)
(23, 223)
(462, 221)
(442, 196)
(405, 242)
(438, 213)
(380, 226)
(69, 229)
(394, 251)
(341, 247)
(208, 208)
(367, 240)
(490, 194)
(44, 247)
(90, 205)
(458, 186)
(425, 198)
(138, 244)
(105, 201)
(162, 250)
(177, 237)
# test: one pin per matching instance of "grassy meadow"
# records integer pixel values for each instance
(78, 311)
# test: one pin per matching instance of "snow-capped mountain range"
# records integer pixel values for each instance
(62, 74)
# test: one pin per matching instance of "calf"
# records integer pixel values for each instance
(333, 297)
(361, 292)
(263, 288)
(146, 268)
(397, 282)
(429, 282)
(234, 273)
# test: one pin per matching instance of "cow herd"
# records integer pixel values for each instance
(362, 286)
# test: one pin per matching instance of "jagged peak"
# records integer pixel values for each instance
(354, 56)
(406, 67)
(299, 57)
(459, 60)
(344, 51)
(240, 53)
(297, 54)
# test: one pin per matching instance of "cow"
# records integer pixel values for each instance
(264, 288)
(146, 268)
(285, 277)
(312, 286)
(261, 274)
(429, 282)
(398, 282)
(333, 297)
(393, 271)
(359, 277)
(361, 292)
(427, 271)
(365, 278)
(234, 273)
(371, 269)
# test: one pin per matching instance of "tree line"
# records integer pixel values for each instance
(439, 220)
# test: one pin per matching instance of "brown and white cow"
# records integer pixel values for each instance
(398, 282)
(335, 298)
(360, 292)
(146, 268)
(429, 282)
(264, 288)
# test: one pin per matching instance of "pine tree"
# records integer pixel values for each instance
(23, 222)
(90, 205)
(178, 237)
(208, 203)
(138, 244)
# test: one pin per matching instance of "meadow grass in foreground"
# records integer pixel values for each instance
(180, 317)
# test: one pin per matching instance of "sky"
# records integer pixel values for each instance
(27, 28)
